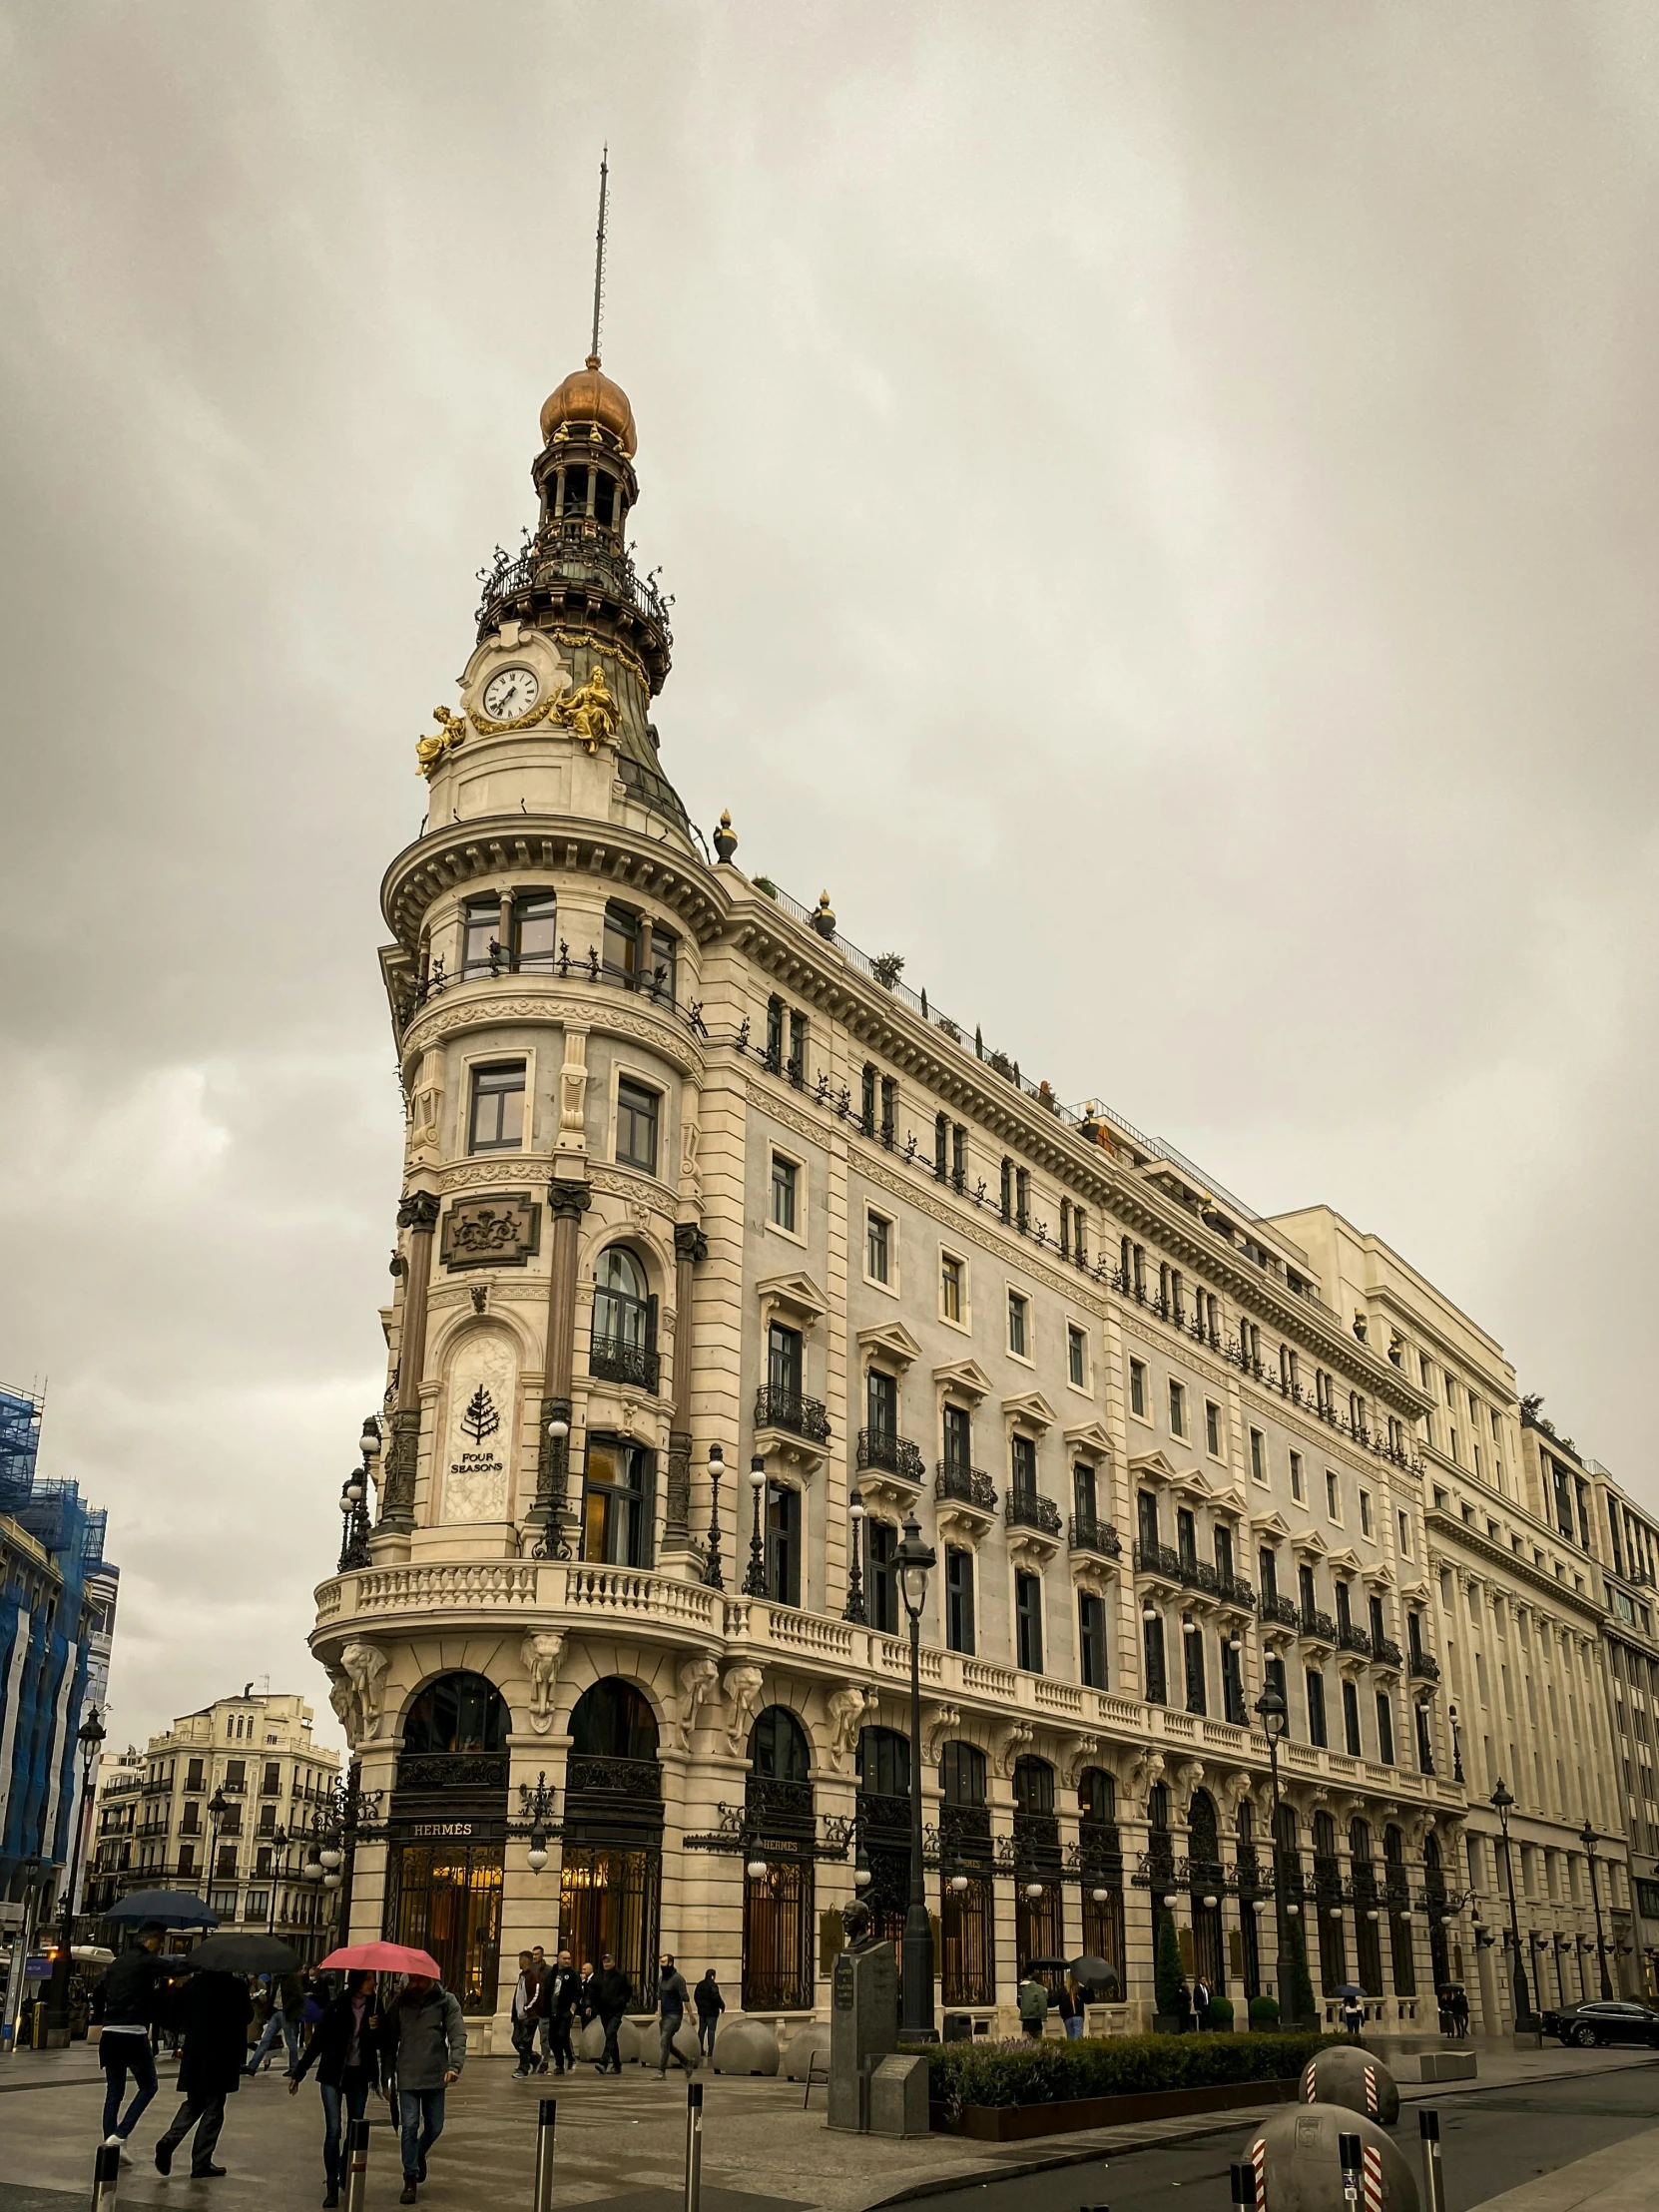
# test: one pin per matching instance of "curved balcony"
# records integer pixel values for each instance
(614, 1360)
(962, 1485)
(1163, 1561)
(895, 1455)
(1386, 1653)
(1281, 1612)
(1425, 1666)
(1315, 1627)
(795, 1415)
(1030, 1509)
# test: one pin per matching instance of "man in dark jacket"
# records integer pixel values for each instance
(132, 1988)
(559, 1996)
(346, 2050)
(527, 2004)
(672, 1999)
(215, 2012)
(710, 2005)
(426, 2049)
(608, 1992)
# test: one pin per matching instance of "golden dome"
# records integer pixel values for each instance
(588, 396)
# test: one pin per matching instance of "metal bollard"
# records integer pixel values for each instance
(1352, 2153)
(106, 2177)
(547, 2114)
(357, 2164)
(1243, 2187)
(694, 2145)
(1434, 2180)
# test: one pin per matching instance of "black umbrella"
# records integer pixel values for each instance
(1046, 1966)
(165, 1908)
(1348, 1990)
(1093, 1973)
(233, 1953)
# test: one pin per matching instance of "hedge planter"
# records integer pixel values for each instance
(1017, 2124)
(1002, 2092)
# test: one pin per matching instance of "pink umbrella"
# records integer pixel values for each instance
(385, 1958)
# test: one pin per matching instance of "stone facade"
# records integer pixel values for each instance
(716, 1238)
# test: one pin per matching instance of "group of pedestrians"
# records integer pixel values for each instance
(552, 1999)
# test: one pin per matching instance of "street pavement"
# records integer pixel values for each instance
(621, 2144)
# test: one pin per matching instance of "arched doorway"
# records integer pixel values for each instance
(447, 1833)
(1203, 1875)
(1038, 1928)
(884, 1809)
(967, 1913)
(779, 1834)
(1100, 1858)
(610, 1887)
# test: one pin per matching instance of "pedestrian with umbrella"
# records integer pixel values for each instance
(1354, 2012)
(132, 1989)
(213, 2012)
(423, 2046)
(347, 2053)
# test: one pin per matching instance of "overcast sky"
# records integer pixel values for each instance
(1160, 505)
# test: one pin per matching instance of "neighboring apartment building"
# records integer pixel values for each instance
(232, 1802)
(1519, 1620)
(687, 1175)
(57, 1618)
(115, 1826)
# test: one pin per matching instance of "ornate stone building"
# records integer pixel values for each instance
(719, 1253)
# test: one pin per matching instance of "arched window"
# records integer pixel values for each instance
(1393, 1846)
(1285, 1830)
(962, 1774)
(1033, 1786)
(1203, 1841)
(1097, 1796)
(883, 1762)
(1358, 1842)
(622, 1305)
(778, 1748)
(1325, 1836)
(456, 1713)
(1157, 1807)
(612, 1721)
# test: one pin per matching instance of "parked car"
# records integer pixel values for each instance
(1604, 2021)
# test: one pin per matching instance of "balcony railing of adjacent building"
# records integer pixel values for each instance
(1318, 1627)
(614, 1360)
(966, 1486)
(1089, 1534)
(1385, 1652)
(1354, 1638)
(1030, 1509)
(1282, 1611)
(802, 1416)
(897, 1454)
(1233, 1589)
(1425, 1666)
(1158, 1559)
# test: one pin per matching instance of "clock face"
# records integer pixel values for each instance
(513, 692)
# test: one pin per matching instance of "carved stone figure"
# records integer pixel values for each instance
(1015, 1743)
(539, 1653)
(343, 1699)
(741, 1688)
(451, 731)
(937, 1730)
(1143, 1778)
(698, 1680)
(1080, 1752)
(847, 1718)
(589, 711)
(366, 1667)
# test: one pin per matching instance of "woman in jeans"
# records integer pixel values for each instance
(347, 2053)
(710, 2005)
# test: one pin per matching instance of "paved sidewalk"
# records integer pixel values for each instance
(620, 2142)
(1621, 2178)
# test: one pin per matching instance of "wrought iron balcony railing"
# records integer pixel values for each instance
(1425, 1666)
(1198, 1574)
(1030, 1509)
(894, 1454)
(1318, 1627)
(1160, 1559)
(802, 1416)
(966, 1486)
(1233, 1589)
(1089, 1534)
(1282, 1610)
(1352, 1638)
(614, 1360)
(1385, 1652)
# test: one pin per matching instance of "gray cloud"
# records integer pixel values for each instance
(1161, 504)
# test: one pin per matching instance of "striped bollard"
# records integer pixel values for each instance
(694, 2145)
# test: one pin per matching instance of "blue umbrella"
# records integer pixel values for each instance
(166, 1907)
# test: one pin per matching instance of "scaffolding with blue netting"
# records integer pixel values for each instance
(19, 1446)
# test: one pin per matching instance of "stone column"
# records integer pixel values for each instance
(418, 1214)
(678, 1546)
(567, 1202)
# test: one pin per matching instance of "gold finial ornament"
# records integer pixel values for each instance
(430, 751)
(587, 397)
(588, 713)
(726, 837)
(824, 921)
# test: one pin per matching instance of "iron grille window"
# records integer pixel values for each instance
(1029, 1622)
(1091, 1640)
(958, 1598)
(637, 1110)
(498, 1123)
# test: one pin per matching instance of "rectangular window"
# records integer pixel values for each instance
(498, 1123)
(1076, 1358)
(1020, 1326)
(1403, 1521)
(958, 1439)
(1091, 1640)
(1266, 1571)
(1022, 1464)
(1186, 1537)
(1083, 1498)
(1384, 1729)
(952, 1286)
(959, 1597)
(1333, 1502)
(1257, 1456)
(783, 1543)
(1152, 1654)
(1378, 1629)
(195, 1775)
(867, 1102)
(1231, 1683)
(481, 937)
(535, 931)
(1177, 1409)
(785, 1184)
(617, 1503)
(1137, 1387)
(1212, 1428)
(1029, 1622)
(878, 1247)
(1224, 1551)
(1146, 1519)
(881, 1405)
(1350, 1719)
(636, 1125)
(881, 1575)
(1192, 1636)
(1315, 1706)
(1297, 1488)
(890, 1109)
(796, 1068)
(272, 1783)
(958, 1155)
(784, 1364)
(1365, 1513)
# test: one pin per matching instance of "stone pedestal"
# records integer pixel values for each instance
(899, 2098)
(863, 2030)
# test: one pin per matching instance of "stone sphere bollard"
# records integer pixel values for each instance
(1348, 2075)
(807, 2044)
(1298, 2162)
(590, 2044)
(745, 2047)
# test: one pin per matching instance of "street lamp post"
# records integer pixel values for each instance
(712, 1576)
(1456, 1744)
(90, 1737)
(278, 1855)
(1589, 1838)
(1501, 1800)
(217, 1805)
(1276, 1720)
(854, 1610)
(755, 1581)
(914, 1559)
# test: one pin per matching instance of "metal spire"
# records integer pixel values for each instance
(599, 259)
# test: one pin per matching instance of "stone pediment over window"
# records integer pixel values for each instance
(1089, 1435)
(1153, 1467)
(1346, 1560)
(1378, 1574)
(1270, 1524)
(1417, 1595)
(792, 1298)
(1193, 1482)
(1031, 1407)
(965, 1377)
(1309, 1540)
(892, 1341)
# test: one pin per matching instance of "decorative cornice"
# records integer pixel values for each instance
(1511, 1563)
(594, 1007)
